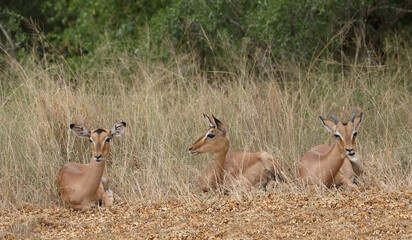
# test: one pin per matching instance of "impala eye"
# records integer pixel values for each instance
(108, 139)
(355, 134)
(210, 136)
(90, 140)
(336, 136)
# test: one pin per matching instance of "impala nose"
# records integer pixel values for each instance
(350, 151)
(190, 148)
(98, 157)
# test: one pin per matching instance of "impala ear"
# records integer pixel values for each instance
(209, 123)
(118, 129)
(80, 130)
(357, 121)
(219, 125)
(330, 126)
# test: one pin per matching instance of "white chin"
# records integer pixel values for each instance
(353, 158)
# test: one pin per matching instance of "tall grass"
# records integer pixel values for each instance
(266, 107)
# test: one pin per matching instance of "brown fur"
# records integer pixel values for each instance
(82, 185)
(238, 168)
(330, 165)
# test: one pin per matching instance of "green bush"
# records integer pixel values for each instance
(12, 38)
(299, 29)
(81, 25)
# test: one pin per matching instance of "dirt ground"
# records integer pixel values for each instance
(371, 214)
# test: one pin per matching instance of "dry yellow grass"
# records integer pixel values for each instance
(265, 108)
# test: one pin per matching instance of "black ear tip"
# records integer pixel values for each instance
(71, 126)
(124, 124)
(321, 118)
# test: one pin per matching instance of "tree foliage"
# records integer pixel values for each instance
(298, 29)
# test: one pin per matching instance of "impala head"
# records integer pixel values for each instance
(214, 140)
(100, 138)
(345, 133)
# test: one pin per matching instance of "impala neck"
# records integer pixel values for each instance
(334, 158)
(94, 176)
(219, 162)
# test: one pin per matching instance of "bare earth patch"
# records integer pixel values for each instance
(372, 214)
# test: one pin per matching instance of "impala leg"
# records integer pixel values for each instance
(270, 185)
(108, 198)
(105, 196)
(105, 181)
(116, 197)
(351, 185)
(342, 179)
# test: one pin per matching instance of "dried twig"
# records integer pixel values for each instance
(12, 50)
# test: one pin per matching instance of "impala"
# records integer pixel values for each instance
(82, 185)
(337, 164)
(242, 168)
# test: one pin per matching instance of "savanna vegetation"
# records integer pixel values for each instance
(266, 69)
